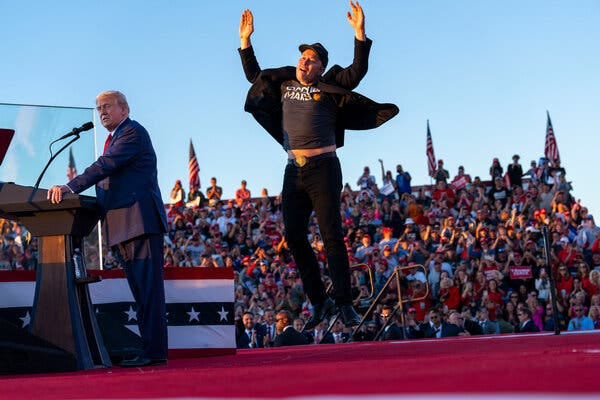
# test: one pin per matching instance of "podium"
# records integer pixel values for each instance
(63, 313)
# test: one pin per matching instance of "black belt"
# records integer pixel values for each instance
(301, 161)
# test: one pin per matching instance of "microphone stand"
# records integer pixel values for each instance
(37, 183)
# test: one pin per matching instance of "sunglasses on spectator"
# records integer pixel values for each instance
(578, 310)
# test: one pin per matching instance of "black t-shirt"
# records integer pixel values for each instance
(309, 116)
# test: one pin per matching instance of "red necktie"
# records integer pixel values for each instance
(107, 142)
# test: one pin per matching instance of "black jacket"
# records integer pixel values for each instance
(289, 337)
(356, 112)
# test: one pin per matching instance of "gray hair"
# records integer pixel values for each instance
(121, 99)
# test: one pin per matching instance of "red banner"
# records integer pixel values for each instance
(460, 183)
(520, 272)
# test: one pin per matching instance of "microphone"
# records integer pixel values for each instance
(76, 131)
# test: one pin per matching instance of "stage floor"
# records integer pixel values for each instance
(504, 366)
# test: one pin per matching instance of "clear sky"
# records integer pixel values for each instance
(484, 73)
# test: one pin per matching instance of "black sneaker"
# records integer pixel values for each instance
(320, 311)
(349, 316)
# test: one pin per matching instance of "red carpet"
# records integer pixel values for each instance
(564, 365)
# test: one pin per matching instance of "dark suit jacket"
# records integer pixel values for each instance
(529, 326)
(393, 332)
(473, 327)
(448, 330)
(126, 185)
(243, 341)
(355, 111)
(289, 337)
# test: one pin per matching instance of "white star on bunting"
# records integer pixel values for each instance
(26, 319)
(131, 314)
(223, 314)
(193, 315)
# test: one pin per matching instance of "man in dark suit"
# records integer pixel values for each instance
(252, 335)
(436, 327)
(286, 334)
(526, 324)
(306, 110)
(392, 331)
(337, 332)
(133, 217)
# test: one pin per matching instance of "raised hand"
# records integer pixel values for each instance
(246, 28)
(356, 18)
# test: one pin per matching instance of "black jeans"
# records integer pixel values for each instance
(317, 185)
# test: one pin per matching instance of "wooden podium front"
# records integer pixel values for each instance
(62, 310)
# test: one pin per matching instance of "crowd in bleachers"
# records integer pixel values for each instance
(474, 247)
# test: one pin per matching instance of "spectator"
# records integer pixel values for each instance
(449, 295)
(443, 195)
(403, 180)
(496, 170)
(441, 174)
(251, 335)
(436, 327)
(364, 252)
(542, 285)
(503, 324)
(242, 194)
(594, 315)
(177, 197)
(456, 318)
(214, 192)
(499, 192)
(526, 324)
(366, 181)
(269, 327)
(391, 331)
(388, 185)
(533, 173)
(195, 198)
(461, 180)
(337, 331)
(488, 326)
(286, 334)
(515, 172)
(580, 322)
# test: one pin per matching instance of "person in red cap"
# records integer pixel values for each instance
(177, 197)
(307, 110)
(363, 252)
(496, 169)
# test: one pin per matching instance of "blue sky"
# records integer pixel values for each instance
(483, 73)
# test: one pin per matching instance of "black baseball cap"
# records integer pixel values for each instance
(319, 49)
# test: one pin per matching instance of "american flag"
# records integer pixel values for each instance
(71, 169)
(193, 168)
(430, 154)
(551, 148)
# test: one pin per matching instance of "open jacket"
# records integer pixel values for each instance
(356, 112)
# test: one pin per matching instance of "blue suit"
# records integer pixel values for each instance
(133, 222)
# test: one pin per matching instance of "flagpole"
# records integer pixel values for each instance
(430, 154)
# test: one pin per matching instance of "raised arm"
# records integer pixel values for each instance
(350, 77)
(246, 29)
(356, 19)
(249, 62)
